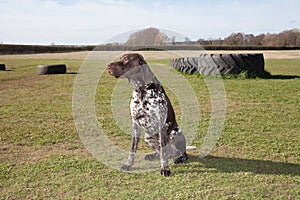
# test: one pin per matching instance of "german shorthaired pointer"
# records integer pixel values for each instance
(151, 110)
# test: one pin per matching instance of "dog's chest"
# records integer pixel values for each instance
(149, 109)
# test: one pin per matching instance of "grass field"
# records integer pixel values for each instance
(42, 157)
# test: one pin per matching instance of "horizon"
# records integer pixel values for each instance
(121, 39)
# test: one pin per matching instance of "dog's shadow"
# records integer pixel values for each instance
(214, 164)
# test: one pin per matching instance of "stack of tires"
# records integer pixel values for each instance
(207, 64)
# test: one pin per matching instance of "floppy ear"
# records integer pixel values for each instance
(141, 60)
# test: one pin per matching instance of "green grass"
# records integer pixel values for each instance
(42, 157)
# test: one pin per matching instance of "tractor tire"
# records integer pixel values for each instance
(207, 64)
(2, 67)
(52, 69)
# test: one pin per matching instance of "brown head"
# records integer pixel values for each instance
(133, 67)
(126, 63)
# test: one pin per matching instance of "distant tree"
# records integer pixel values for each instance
(234, 39)
(149, 36)
(282, 39)
(216, 42)
(270, 40)
(173, 39)
(202, 42)
(288, 38)
(298, 39)
(248, 39)
(258, 40)
(161, 38)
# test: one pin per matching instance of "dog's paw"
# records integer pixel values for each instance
(165, 171)
(151, 157)
(125, 168)
(181, 159)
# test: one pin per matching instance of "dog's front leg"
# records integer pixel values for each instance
(136, 132)
(164, 166)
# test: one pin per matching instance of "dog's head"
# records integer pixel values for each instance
(128, 63)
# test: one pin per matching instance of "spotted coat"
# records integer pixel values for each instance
(152, 111)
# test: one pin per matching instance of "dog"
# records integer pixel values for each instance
(151, 110)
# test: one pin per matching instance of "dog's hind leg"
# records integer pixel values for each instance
(178, 140)
(163, 139)
(181, 159)
(136, 132)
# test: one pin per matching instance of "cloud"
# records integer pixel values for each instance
(96, 21)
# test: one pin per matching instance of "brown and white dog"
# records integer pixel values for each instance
(151, 110)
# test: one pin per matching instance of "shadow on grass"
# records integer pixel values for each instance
(268, 75)
(6, 70)
(263, 75)
(233, 165)
(281, 77)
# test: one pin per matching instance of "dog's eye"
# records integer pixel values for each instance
(125, 61)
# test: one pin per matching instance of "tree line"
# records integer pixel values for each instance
(154, 37)
(287, 38)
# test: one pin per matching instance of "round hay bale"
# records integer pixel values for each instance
(52, 69)
(207, 64)
(2, 67)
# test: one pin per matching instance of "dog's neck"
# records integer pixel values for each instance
(142, 77)
(139, 85)
(148, 85)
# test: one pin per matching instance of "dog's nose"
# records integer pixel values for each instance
(109, 68)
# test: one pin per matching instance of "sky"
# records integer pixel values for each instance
(92, 22)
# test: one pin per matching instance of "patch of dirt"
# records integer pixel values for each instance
(155, 55)
(73, 55)
(12, 153)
